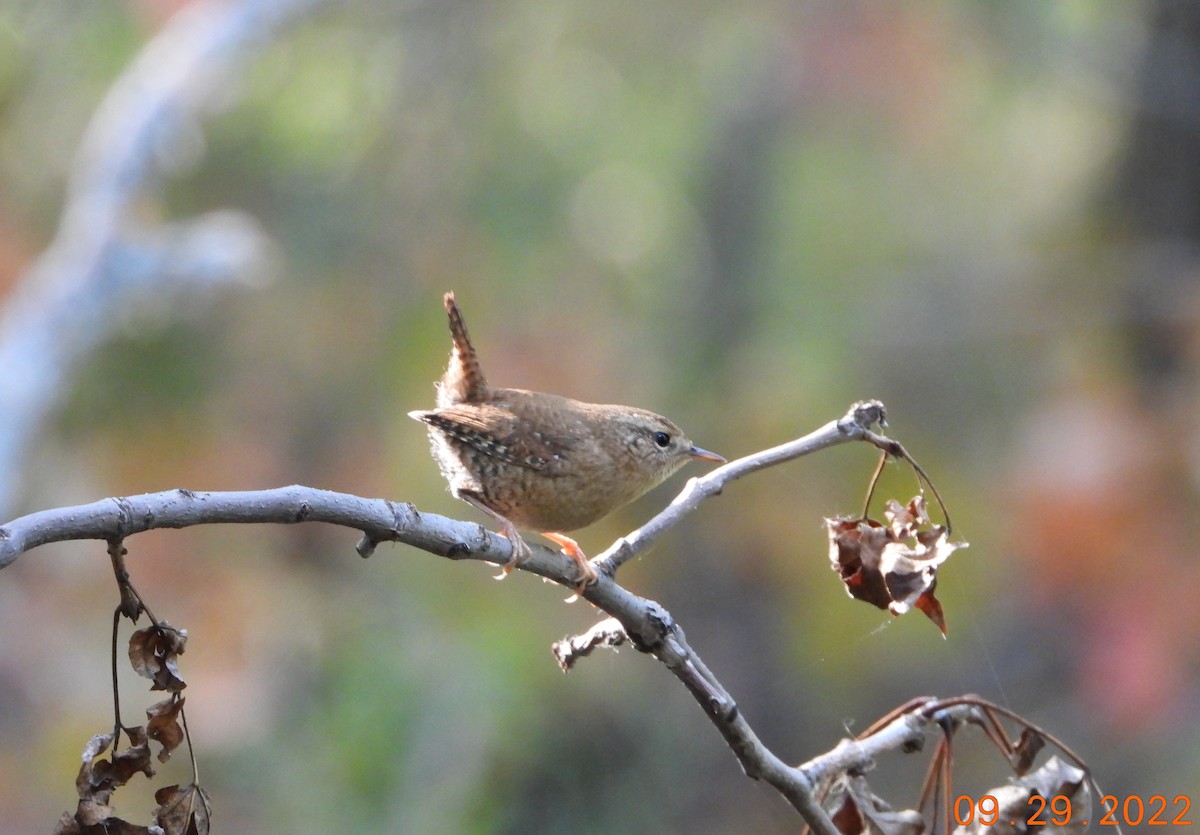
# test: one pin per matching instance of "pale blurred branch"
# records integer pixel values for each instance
(102, 264)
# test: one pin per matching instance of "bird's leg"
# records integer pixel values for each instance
(587, 573)
(520, 551)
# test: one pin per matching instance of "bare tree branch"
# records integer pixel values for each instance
(647, 624)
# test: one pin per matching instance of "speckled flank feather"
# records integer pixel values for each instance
(480, 440)
(464, 381)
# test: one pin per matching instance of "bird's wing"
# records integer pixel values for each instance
(492, 430)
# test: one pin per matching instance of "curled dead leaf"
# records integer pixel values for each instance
(92, 812)
(67, 825)
(183, 810)
(154, 653)
(1058, 778)
(99, 777)
(862, 811)
(163, 725)
(892, 566)
(1026, 750)
(96, 746)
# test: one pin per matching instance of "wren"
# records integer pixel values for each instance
(540, 461)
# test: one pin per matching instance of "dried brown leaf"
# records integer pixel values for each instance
(183, 810)
(863, 813)
(892, 566)
(96, 746)
(108, 775)
(92, 812)
(164, 727)
(117, 826)
(154, 653)
(1026, 750)
(67, 825)
(134, 759)
(932, 607)
(1059, 778)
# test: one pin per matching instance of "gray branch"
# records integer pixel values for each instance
(645, 623)
(925, 717)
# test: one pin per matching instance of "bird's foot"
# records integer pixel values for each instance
(520, 551)
(587, 572)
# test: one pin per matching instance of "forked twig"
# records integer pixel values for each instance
(892, 448)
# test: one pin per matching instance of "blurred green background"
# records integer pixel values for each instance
(744, 216)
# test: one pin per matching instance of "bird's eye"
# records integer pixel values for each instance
(662, 439)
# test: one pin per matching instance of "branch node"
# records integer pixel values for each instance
(124, 522)
(458, 550)
(607, 633)
(661, 620)
(404, 515)
(716, 700)
(366, 546)
(619, 553)
(130, 605)
(862, 416)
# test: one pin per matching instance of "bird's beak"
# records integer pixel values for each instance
(706, 455)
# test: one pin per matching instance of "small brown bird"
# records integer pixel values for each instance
(540, 461)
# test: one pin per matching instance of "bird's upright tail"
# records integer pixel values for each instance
(464, 381)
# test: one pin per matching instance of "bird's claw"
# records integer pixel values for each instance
(520, 551)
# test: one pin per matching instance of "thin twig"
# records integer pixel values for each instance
(855, 425)
(187, 735)
(115, 688)
(982, 703)
(894, 448)
(883, 459)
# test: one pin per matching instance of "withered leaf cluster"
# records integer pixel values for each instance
(181, 811)
(860, 811)
(1054, 799)
(892, 565)
(1056, 779)
(154, 653)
